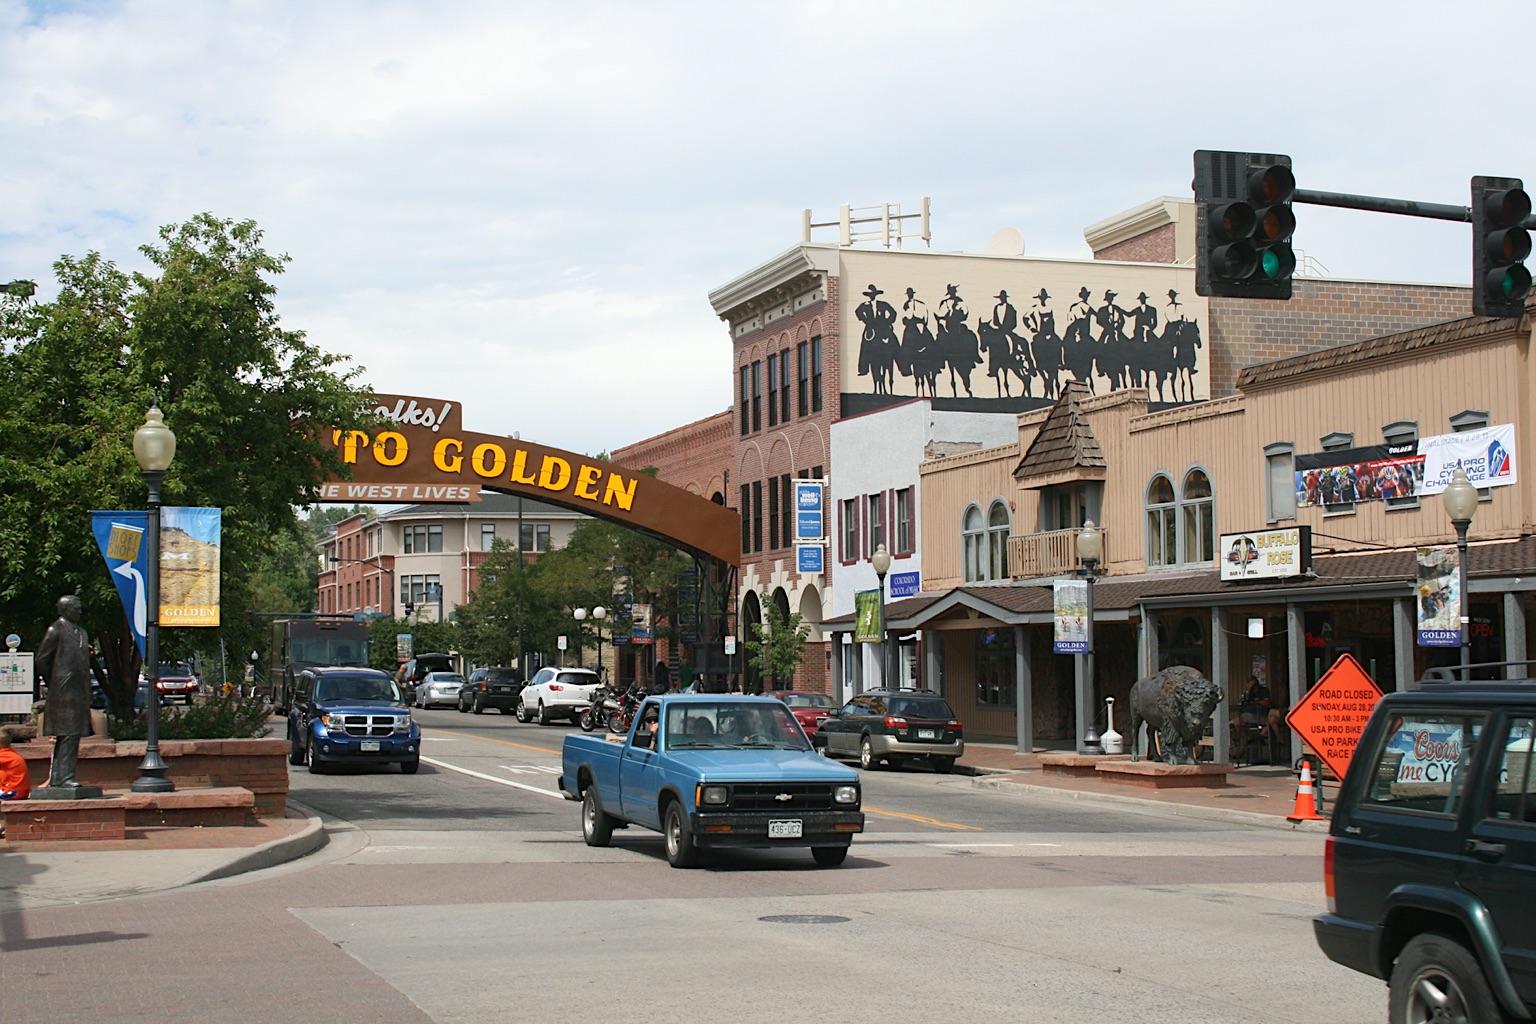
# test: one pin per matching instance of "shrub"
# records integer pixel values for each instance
(218, 716)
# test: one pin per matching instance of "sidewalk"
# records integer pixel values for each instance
(1257, 795)
(44, 874)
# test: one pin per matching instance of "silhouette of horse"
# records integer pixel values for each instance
(1184, 337)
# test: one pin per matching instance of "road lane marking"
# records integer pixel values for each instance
(491, 778)
(510, 743)
(966, 846)
(926, 821)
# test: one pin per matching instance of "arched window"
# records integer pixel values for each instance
(1199, 518)
(998, 528)
(973, 539)
(1162, 523)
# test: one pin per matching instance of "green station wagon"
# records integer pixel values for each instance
(1430, 866)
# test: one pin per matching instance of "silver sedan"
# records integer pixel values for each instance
(438, 688)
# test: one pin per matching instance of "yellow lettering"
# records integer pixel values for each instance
(401, 448)
(620, 491)
(554, 474)
(520, 473)
(586, 479)
(497, 463)
(348, 444)
(443, 461)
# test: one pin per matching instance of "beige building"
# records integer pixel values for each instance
(1167, 485)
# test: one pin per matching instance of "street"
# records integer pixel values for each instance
(465, 894)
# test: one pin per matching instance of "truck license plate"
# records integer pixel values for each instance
(784, 829)
(927, 734)
(370, 744)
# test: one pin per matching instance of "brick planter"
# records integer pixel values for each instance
(1155, 775)
(260, 766)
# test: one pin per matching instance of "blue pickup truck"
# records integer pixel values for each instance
(713, 771)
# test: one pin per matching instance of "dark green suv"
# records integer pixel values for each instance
(893, 726)
(1430, 867)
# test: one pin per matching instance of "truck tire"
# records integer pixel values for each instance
(412, 766)
(679, 837)
(829, 856)
(596, 824)
(295, 752)
(1436, 975)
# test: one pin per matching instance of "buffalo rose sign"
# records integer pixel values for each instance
(1330, 718)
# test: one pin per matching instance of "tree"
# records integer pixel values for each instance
(778, 642)
(201, 334)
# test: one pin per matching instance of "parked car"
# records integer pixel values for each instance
(493, 687)
(415, 669)
(1432, 850)
(894, 726)
(177, 682)
(439, 688)
(350, 716)
(556, 692)
(808, 709)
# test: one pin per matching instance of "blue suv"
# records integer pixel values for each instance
(350, 716)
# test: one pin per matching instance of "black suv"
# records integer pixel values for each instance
(893, 726)
(492, 687)
(1430, 867)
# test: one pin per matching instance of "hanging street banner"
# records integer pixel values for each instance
(1266, 554)
(810, 512)
(120, 536)
(1439, 597)
(1487, 455)
(1330, 717)
(640, 629)
(867, 625)
(189, 565)
(1070, 609)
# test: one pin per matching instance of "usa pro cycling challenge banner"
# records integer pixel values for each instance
(120, 535)
(1488, 456)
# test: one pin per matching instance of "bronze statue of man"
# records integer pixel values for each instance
(64, 661)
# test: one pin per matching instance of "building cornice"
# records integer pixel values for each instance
(782, 277)
(1133, 223)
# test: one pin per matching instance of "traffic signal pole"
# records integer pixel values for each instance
(1401, 207)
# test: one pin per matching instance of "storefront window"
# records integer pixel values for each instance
(1199, 518)
(994, 669)
(1162, 528)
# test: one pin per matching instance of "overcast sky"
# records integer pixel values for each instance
(522, 206)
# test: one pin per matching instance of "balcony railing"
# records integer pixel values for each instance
(1053, 553)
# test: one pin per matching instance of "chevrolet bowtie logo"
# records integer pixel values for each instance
(783, 796)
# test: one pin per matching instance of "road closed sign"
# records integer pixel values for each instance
(1330, 718)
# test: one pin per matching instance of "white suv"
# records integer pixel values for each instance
(557, 692)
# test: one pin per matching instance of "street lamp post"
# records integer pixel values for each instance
(154, 446)
(436, 590)
(881, 560)
(1460, 499)
(598, 615)
(1090, 546)
(377, 565)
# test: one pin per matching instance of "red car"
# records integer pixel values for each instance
(176, 682)
(807, 709)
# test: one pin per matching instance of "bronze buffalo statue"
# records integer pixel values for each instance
(1176, 703)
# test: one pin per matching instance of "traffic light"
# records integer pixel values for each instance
(1500, 243)
(1243, 224)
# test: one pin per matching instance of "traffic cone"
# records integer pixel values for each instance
(1306, 798)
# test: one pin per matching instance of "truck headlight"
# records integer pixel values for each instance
(846, 794)
(716, 795)
(333, 721)
(403, 723)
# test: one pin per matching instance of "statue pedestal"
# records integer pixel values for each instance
(67, 793)
(1156, 775)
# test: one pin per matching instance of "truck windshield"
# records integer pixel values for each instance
(732, 725)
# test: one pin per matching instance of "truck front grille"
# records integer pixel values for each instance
(369, 725)
(767, 796)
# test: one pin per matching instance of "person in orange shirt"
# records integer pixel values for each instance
(15, 784)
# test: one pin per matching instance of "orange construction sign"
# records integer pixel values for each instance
(1330, 718)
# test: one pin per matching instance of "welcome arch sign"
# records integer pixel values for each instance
(422, 454)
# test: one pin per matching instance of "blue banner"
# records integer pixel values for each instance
(120, 535)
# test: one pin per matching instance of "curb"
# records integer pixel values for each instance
(1001, 784)
(279, 851)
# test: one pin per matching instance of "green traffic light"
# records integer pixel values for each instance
(1276, 262)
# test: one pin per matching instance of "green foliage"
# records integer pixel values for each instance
(200, 333)
(778, 642)
(219, 716)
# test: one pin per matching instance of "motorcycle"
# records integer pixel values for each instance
(596, 716)
(621, 710)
